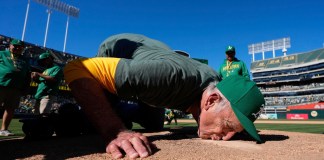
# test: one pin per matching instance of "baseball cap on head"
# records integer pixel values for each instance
(44, 55)
(16, 42)
(230, 49)
(246, 101)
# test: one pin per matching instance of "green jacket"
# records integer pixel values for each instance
(46, 88)
(237, 67)
(14, 73)
(152, 73)
(164, 80)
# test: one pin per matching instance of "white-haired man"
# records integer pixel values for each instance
(159, 77)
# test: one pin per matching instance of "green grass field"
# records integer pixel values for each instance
(304, 128)
(15, 127)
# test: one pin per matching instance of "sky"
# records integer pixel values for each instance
(203, 28)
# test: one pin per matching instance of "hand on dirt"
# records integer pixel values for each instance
(133, 144)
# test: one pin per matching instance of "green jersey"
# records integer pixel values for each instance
(151, 72)
(236, 67)
(14, 71)
(46, 88)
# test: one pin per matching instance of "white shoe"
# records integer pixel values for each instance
(6, 133)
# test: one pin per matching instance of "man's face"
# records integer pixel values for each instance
(230, 56)
(215, 123)
(44, 62)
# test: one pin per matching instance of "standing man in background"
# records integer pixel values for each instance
(14, 81)
(232, 65)
(48, 83)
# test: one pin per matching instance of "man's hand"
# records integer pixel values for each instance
(98, 108)
(133, 144)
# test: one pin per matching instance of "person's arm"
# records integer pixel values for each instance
(35, 76)
(91, 97)
(54, 76)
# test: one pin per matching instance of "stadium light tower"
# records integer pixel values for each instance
(272, 45)
(58, 6)
(26, 17)
(66, 32)
(47, 24)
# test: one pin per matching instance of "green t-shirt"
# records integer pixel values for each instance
(165, 79)
(15, 72)
(154, 74)
(47, 88)
(169, 113)
(236, 67)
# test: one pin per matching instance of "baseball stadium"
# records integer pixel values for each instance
(287, 99)
(293, 85)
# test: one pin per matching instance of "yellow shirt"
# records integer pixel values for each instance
(101, 69)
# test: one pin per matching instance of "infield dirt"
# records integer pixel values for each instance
(174, 144)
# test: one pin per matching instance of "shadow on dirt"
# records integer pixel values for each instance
(191, 132)
(176, 134)
(244, 136)
(53, 148)
(71, 147)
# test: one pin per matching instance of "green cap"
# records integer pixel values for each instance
(44, 55)
(16, 42)
(246, 100)
(230, 49)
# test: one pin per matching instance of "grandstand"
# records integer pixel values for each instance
(292, 80)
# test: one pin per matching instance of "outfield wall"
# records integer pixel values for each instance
(305, 114)
(307, 111)
(297, 112)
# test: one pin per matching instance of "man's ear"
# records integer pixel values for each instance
(211, 100)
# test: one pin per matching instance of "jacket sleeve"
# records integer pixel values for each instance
(245, 71)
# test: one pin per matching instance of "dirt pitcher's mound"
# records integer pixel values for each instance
(278, 145)
(176, 145)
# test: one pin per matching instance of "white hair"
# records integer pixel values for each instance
(223, 103)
